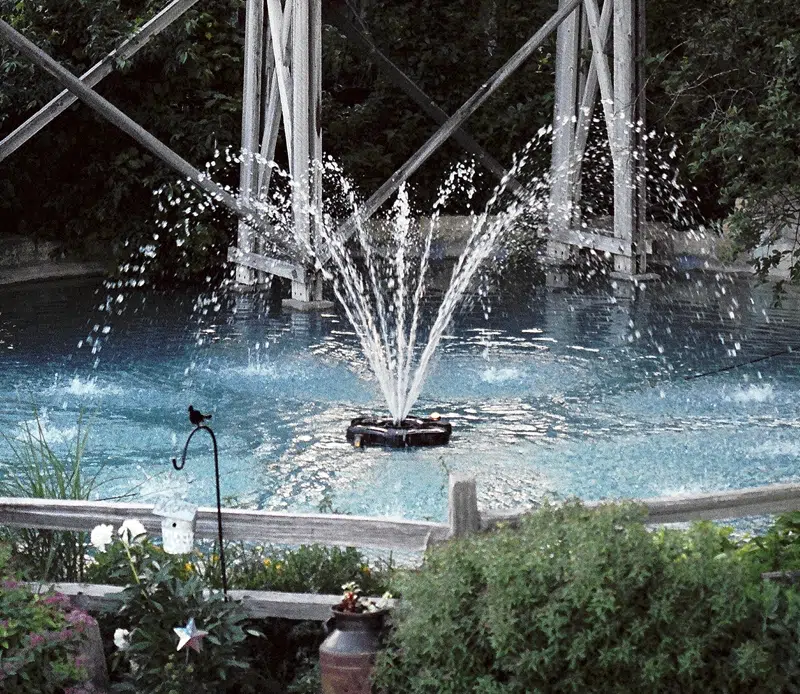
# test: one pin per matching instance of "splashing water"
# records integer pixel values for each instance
(381, 283)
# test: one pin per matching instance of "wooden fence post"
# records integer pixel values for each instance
(463, 515)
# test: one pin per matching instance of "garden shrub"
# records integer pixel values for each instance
(579, 600)
(41, 639)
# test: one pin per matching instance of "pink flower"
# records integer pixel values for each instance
(36, 640)
(80, 620)
(58, 600)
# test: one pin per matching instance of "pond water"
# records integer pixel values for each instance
(593, 391)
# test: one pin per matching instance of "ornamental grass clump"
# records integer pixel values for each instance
(579, 600)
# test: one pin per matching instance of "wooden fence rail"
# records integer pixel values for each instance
(464, 517)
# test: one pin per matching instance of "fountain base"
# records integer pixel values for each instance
(412, 431)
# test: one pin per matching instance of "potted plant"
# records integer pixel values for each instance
(347, 655)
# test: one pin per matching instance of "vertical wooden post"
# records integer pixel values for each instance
(301, 147)
(624, 133)
(315, 128)
(641, 135)
(566, 102)
(251, 125)
(463, 515)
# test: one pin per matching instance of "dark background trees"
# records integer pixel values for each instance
(723, 76)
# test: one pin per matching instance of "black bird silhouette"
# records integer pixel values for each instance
(196, 417)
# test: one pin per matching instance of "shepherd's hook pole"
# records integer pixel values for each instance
(219, 502)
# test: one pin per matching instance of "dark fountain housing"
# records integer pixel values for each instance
(412, 431)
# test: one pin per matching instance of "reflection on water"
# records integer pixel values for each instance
(595, 392)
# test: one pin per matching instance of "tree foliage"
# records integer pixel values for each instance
(729, 85)
(723, 76)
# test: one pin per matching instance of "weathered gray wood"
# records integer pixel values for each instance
(280, 24)
(301, 134)
(123, 122)
(262, 526)
(455, 121)
(586, 107)
(463, 516)
(251, 125)
(338, 18)
(257, 603)
(589, 238)
(315, 129)
(600, 64)
(271, 266)
(735, 503)
(90, 78)
(561, 206)
(624, 78)
(640, 54)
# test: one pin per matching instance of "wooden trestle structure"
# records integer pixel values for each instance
(283, 86)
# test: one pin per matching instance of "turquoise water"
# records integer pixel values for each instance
(586, 391)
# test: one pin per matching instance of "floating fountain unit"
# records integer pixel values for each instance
(412, 431)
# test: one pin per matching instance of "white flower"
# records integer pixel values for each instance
(102, 536)
(383, 603)
(121, 639)
(132, 531)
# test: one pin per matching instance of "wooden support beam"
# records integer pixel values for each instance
(624, 99)
(123, 122)
(280, 23)
(270, 266)
(251, 126)
(599, 34)
(239, 524)
(336, 16)
(301, 145)
(640, 53)
(455, 121)
(562, 191)
(92, 77)
(586, 107)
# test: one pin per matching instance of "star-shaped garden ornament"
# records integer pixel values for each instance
(190, 636)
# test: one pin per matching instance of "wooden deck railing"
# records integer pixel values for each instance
(464, 517)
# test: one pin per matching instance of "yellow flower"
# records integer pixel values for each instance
(188, 566)
(278, 567)
(365, 569)
(267, 563)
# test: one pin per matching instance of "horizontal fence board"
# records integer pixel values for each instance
(256, 603)
(237, 524)
(734, 503)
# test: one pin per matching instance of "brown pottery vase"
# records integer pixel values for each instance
(347, 655)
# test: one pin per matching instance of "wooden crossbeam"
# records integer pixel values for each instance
(92, 77)
(586, 108)
(733, 503)
(598, 29)
(454, 122)
(258, 604)
(238, 524)
(126, 124)
(271, 266)
(279, 26)
(336, 16)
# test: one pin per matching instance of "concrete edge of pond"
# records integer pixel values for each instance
(51, 270)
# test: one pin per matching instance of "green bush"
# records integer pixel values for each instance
(579, 600)
(40, 639)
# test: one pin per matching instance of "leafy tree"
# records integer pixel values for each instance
(729, 83)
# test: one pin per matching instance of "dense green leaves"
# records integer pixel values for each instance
(591, 601)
